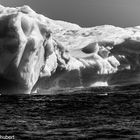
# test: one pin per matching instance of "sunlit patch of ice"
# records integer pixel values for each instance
(98, 84)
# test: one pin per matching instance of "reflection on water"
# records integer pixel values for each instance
(108, 114)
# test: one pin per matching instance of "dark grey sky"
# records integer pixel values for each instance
(122, 13)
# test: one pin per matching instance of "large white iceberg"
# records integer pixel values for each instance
(38, 52)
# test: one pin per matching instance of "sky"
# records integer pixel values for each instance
(86, 13)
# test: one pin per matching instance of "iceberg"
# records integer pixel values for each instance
(37, 52)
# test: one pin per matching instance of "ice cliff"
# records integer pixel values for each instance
(38, 52)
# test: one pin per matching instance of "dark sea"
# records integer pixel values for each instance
(90, 113)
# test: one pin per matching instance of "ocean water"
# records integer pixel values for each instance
(90, 113)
